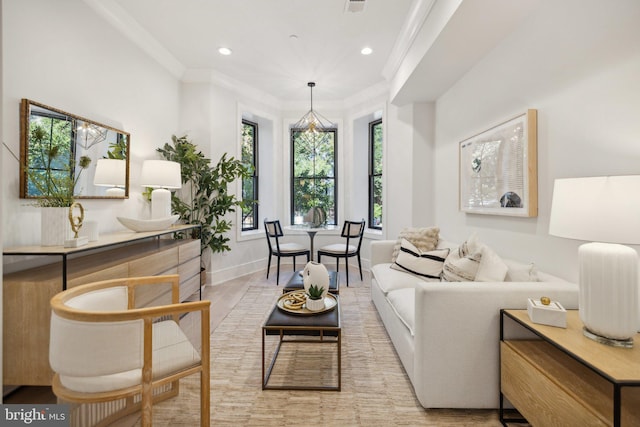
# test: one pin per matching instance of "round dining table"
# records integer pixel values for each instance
(312, 231)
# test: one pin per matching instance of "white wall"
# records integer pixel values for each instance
(577, 62)
(63, 55)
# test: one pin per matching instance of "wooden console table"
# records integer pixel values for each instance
(27, 292)
(564, 378)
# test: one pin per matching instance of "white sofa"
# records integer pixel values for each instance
(447, 333)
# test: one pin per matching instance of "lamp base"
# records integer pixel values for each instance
(628, 343)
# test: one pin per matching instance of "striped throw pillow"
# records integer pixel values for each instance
(426, 265)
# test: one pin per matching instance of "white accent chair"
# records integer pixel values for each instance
(104, 349)
(352, 231)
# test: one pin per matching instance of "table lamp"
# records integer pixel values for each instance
(111, 173)
(606, 211)
(162, 176)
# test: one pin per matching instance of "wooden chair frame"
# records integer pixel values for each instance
(147, 315)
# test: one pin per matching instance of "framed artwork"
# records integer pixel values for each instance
(499, 170)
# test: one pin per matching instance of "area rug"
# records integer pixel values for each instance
(375, 389)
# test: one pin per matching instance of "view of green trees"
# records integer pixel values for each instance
(51, 171)
(375, 183)
(313, 176)
(250, 184)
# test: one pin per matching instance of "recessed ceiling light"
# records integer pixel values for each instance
(366, 51)
(225, 51)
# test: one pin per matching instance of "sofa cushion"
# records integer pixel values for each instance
(425, 265)
(389, 279)
(425, 239)
(403, 303)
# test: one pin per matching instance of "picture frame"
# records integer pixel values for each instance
(498, 169)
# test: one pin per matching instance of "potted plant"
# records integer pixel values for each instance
(315, 298)
(54, 181)
(204, 197)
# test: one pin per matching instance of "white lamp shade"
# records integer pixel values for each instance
(597, 209)
(605, 210)
(110, 173)
(160, 174)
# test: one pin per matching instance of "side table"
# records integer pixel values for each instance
(564, 378)
(324, 327)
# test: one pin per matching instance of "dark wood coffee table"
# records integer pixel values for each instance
(296, 283)
(323, 328)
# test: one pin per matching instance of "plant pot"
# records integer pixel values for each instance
(55, 227)
(315, 304)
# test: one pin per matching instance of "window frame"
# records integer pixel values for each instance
(373, 175)
(254, 178)
(292, 178)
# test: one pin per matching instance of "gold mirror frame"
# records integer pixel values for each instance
(88, 141)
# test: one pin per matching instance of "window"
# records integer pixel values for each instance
(375, 174)
(313, 170)
(250, 184)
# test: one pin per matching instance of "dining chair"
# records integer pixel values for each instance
(277, 249)
(352, 231)
(111, 359)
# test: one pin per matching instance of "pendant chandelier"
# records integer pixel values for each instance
(313, 122)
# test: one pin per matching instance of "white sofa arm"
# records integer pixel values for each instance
(457, 332)
(381, 251)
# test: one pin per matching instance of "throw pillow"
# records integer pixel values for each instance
(462, 264)
(491, 268)
(426, 265)
(519, 272)
(425, 239)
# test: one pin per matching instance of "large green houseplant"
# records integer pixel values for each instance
(204, 198)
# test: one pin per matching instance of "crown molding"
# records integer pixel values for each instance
(130, 28)
(416, 18)
(222, 80)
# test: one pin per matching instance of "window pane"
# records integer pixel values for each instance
(375, 174)
(250, 184)
(313, 174)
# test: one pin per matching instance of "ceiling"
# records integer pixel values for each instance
(266, 55)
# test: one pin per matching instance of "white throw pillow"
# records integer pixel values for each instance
(519, 272)
(491, 268)
(426, 265)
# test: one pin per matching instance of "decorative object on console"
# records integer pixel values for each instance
(606, 211)
(140, 225)
(162, 175)
(316, 274)
(498, 169)
(76, 225)
(547, 312)
(111, 173)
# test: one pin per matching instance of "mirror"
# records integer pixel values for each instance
(61, 149)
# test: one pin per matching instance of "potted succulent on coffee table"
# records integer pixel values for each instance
(315, 298)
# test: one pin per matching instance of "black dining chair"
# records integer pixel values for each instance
(277, 249)
(352, 231)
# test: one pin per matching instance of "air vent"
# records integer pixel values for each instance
(354, 6)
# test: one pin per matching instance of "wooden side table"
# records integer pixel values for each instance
(564, 378)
